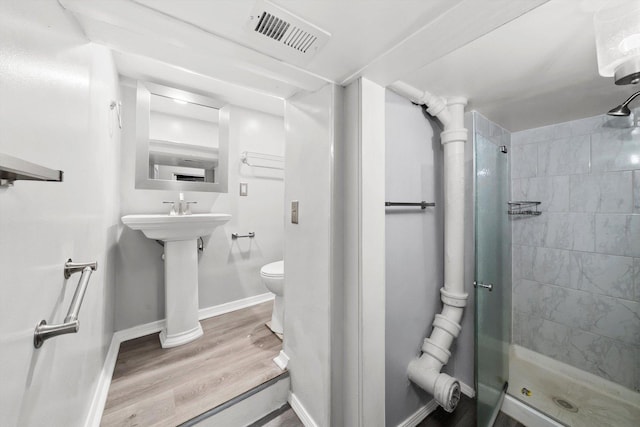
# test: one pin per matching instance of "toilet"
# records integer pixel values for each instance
(273, 278)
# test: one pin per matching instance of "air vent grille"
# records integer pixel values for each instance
(300, 39)
(272, 26)
(276, 28)
(284, 35)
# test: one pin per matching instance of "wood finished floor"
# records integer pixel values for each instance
(152, 386)
(464, 416)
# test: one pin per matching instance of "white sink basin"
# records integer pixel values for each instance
(175, 227)
(180, 234)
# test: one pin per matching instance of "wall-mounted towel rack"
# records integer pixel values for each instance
(523, 207)
(71, 324)
(262, 160)
(422, 204)
(14, 169)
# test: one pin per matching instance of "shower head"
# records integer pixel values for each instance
(620, 110)
(623, 109)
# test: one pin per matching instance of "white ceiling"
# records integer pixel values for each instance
(360, 30)
(536, 70)
(522, 63)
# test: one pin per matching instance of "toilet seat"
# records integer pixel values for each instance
(275, 270)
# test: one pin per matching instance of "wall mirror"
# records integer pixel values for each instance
(182, 140)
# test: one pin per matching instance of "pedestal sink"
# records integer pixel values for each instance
(180, 235)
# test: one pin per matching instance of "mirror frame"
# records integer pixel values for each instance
(143, 117)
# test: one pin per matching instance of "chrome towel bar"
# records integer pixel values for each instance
(235, 236)
(422, 204)
(71, 267)
(71, 324)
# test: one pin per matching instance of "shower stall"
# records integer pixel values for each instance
(557, 272)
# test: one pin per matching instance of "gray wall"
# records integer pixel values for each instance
(576, 268)
(55, 93)
(414, 254)
(228, 270)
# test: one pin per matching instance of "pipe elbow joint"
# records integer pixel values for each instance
(423, 376)
(437, 107)
(444, 388)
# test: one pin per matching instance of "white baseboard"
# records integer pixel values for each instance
(104, 381)
(418, 416)
(467, 390)
(282, 360)
(139, 331)
(228, 307)
(300, 411)
(526, 414)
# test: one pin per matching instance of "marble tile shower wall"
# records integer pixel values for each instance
(576, 267)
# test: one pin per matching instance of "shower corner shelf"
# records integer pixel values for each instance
(524, 207)
(14, 169)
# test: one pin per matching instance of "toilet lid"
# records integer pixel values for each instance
(275, 269)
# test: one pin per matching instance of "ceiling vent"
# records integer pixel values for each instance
(283, 35)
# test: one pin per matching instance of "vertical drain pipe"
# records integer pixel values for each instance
(425, 370)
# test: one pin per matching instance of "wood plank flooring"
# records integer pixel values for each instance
(464, 416)
(152, 386)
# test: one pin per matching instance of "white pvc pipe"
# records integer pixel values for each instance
(425, 371)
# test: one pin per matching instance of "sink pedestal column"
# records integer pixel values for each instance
(181, 293)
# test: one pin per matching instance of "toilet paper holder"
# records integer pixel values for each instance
(250, 235)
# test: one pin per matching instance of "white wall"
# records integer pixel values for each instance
(363, 293)
(309, 272)
(229, 270)
(414, 254)
(54, 110)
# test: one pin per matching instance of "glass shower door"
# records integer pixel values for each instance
(492, 276)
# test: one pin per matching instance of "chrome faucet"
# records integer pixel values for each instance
(183, 206)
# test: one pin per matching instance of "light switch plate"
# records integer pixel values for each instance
(294, 212)
(244, 188)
